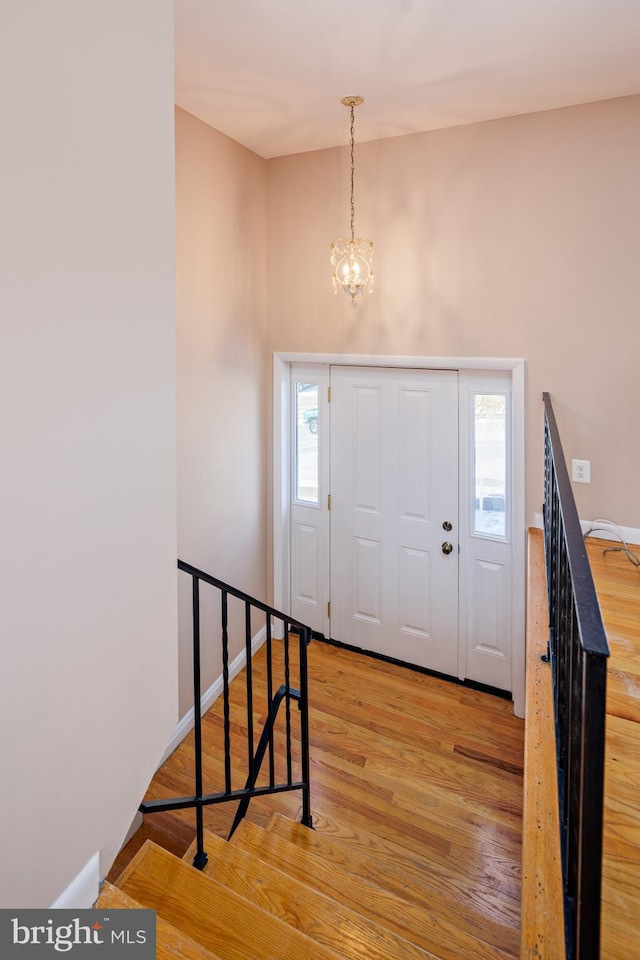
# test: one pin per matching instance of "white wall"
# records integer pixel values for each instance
(87, 379)
(512, 238)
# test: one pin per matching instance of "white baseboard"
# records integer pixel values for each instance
(211, 695)
(608, 530)
(601, 529)
(84, 889)
(82, 892)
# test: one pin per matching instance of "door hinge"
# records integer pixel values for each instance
(328, 394)
(328, 501)
(329, 610)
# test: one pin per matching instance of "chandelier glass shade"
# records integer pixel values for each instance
(352, 259)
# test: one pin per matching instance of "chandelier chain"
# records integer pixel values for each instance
(352, 259)
(353, 214)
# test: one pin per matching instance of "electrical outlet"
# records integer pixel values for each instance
(581, 471)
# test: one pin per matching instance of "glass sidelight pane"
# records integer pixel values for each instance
(490, 464)
(306, 418)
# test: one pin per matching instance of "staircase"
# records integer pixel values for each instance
(434, 775)
(288, 892)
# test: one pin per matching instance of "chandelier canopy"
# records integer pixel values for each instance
(352, 259)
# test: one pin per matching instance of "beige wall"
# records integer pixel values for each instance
(513, 238)
(222, 372)
(88, 697)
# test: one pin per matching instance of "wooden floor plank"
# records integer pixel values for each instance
(214, 916)
(422, 925)
(618, 588)
(478, 858)
(542, 933)
(396, 869)
(326, 920)
(171, 943)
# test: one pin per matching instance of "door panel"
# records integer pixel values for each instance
(394, 482)
(414, 455)
(367, 459)
(309, 489)
(415, 599)
(487, 544)
(306, 560)
(488, 631)
(366, 585)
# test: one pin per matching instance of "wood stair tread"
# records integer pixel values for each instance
(387, 864)
(221, 920)
(319, 916)
(407, 919)
(171, 943)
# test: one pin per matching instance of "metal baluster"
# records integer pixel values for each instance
(305, 637)
(574, 775)
(589, 870)
(269, 645)
(249, 673)
(200, 858)
(224, 613)
(287, 681)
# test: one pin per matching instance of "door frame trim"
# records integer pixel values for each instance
(281, 478)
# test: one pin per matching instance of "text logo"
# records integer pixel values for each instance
(100, 934)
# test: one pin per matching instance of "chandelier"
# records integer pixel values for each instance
(352, 259)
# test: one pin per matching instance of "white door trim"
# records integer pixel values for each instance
(281, 480)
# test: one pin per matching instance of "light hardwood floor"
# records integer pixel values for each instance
(618, 588)
(617, 583)
(431, 771)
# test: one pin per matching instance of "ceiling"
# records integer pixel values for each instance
(271, 73)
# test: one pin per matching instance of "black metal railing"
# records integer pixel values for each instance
(578, 652)
(292, 656)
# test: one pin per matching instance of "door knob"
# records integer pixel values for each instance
(447, 548)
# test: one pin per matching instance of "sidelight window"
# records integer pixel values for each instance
(306, 442)
(490, 464)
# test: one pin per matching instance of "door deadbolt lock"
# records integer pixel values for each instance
(447, 548)
(447, 525)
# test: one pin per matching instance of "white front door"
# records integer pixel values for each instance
(394, 514)
(376, 559)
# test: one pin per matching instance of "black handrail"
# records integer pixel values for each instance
(578, 652)
(254, 757)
